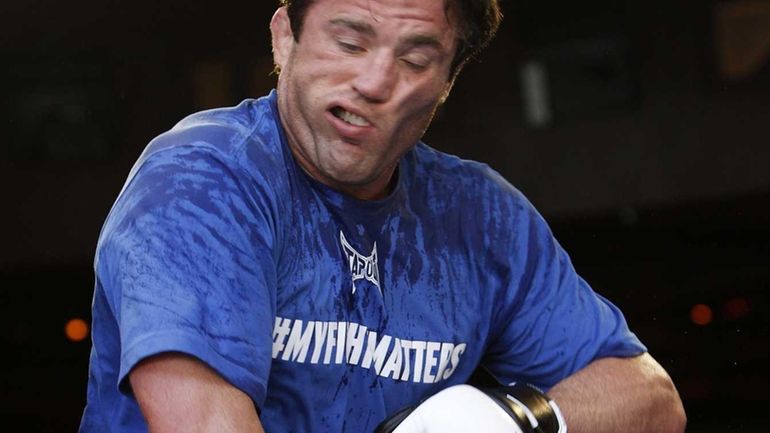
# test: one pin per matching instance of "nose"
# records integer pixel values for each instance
(377, 77)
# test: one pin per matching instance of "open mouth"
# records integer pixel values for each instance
(349, 117)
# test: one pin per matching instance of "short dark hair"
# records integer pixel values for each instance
(480, 20)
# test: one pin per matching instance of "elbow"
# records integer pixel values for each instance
(673, 418)
(666, 411)
(678, 417)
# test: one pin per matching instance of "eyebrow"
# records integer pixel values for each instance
(366, 29)
(423, 40)
(358, 26)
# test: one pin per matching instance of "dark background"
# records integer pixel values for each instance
(648, 152)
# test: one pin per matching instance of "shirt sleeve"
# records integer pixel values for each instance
(187, 261)
(549, 323)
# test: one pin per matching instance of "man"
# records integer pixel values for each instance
(301, 263)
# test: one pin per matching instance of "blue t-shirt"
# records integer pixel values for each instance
(330, 312)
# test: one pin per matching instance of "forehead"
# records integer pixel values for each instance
(434, 17)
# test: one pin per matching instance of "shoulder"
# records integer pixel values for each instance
(217, 162)
(493, 214)
(232, 134)
(451, 178)
(240, 143)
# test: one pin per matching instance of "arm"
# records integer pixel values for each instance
(631, 395)
(610, 395)
(178, 393)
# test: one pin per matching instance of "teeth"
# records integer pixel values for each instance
(350, 117)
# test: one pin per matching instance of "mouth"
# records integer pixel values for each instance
(348, 117)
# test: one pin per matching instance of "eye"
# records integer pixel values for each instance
(417, 64)
(350, 47)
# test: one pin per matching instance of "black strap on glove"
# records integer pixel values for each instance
(390, 424)
(534, 411)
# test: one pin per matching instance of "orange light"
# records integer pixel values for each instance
(736, 308)
(701, 314)
(76, 329)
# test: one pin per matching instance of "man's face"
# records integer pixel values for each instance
(361, 86)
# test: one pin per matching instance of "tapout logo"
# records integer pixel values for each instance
(361, 267)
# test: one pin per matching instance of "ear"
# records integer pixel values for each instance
(282, 37)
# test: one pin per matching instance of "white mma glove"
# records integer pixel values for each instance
(463, 409)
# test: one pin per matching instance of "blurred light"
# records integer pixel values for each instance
(534, 90)
(701, 314)
(76, 329)
(736, 308)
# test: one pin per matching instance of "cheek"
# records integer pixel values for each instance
(423, 97)
(419, 111)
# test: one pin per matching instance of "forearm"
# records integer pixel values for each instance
(629, 395)
(180, 394)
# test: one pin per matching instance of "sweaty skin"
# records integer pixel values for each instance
(382, 66)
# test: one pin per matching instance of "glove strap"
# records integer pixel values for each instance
(534, 411)
(391, 423)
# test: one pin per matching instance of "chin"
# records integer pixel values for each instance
(348, 171)
(348, 179)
